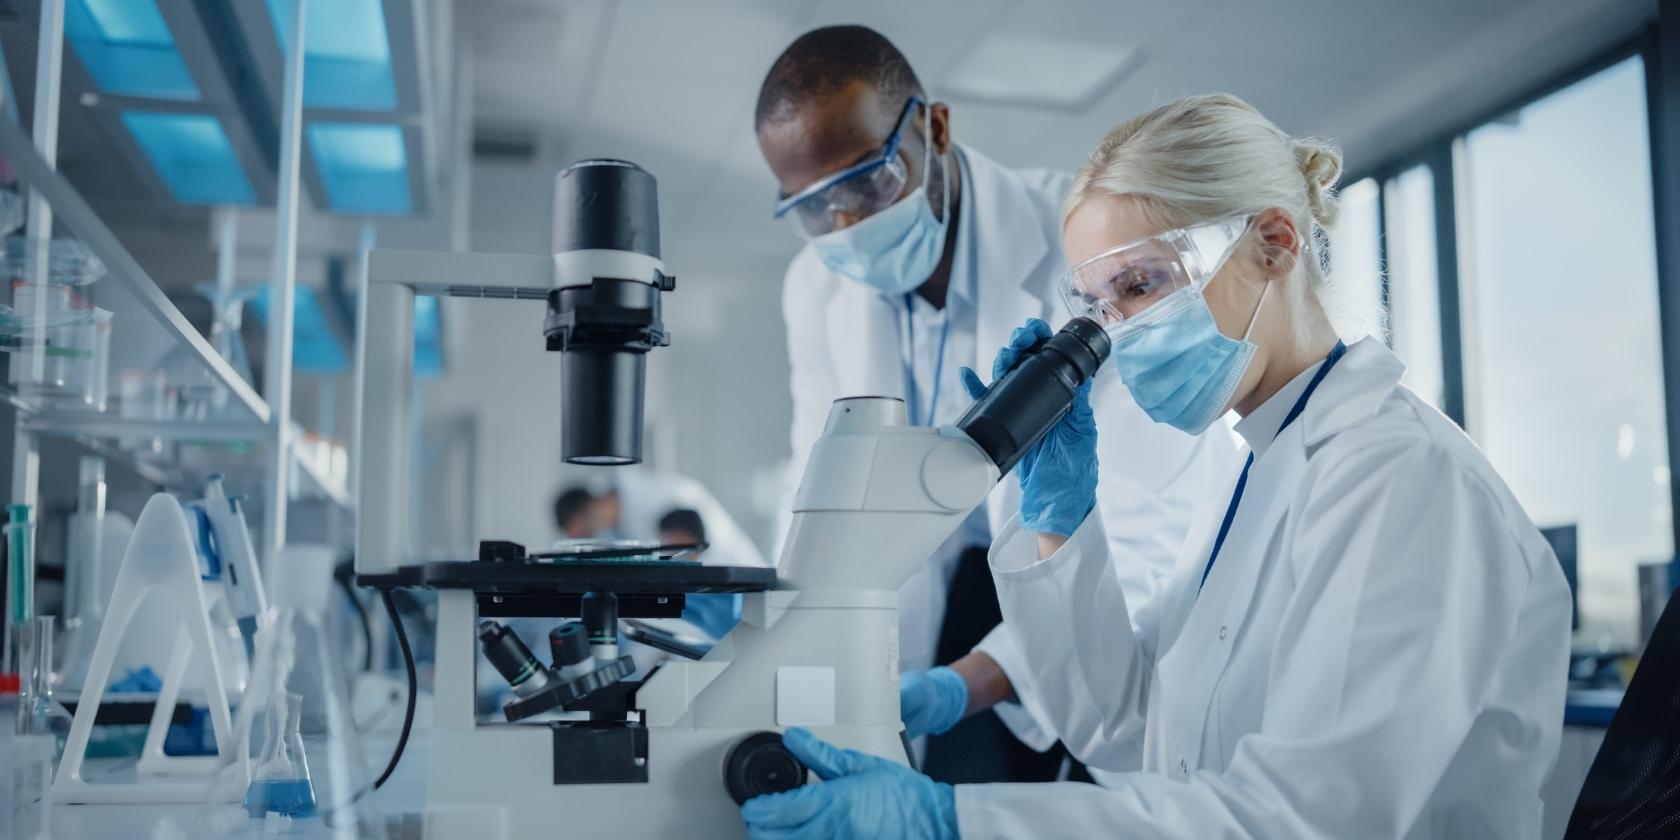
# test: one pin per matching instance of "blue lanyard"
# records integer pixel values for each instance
(1242, 481)
(910, 365)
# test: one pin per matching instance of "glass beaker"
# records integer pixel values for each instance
(41, 714)
(143, 394)
(26, 768)
(60, 345)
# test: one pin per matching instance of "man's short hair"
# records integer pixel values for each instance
(686, 521)
(826, 60)
(572, 503)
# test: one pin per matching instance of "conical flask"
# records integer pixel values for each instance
(296, 766)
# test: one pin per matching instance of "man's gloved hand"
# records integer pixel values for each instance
(1059, 474)
(714, 613)
(931, 701)
(860, 796)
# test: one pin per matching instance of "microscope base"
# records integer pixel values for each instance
(496, 783)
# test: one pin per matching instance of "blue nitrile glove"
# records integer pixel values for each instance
(715, 614)
(1059, 473)
(931, 701)
(860, 796)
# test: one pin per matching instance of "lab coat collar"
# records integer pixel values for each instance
(1353, 391)
(1261, 426)
(963, 281)
(1016, 239)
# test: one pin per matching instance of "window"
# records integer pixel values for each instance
(1355, 300)
(1563, 363)
(1413, 291)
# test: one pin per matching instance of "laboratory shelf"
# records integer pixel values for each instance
(182, 454)
(101, 425)
(153, 354)
(150, 392)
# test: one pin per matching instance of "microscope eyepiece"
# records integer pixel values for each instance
(604, 204)
(1023, 404)
(604, 309)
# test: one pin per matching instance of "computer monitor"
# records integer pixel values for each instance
(1564, 541)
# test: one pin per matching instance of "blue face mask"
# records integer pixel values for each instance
(897, 249)
(1180, 368)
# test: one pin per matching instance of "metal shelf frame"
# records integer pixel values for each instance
(248, 416)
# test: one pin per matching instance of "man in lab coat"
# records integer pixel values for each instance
(922, 255)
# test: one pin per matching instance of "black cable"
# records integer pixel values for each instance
(413, 686)
(361, 614)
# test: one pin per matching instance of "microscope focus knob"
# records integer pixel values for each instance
(759, 764)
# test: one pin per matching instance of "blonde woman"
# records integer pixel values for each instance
(1364, 637)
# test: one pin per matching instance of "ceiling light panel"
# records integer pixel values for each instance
(1033, 70)
(191, 154)
(347, 53)
(363, 167)
(128, 49)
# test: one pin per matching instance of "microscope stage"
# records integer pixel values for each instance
(575, 577)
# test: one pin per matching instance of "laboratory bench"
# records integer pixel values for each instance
(400, 802)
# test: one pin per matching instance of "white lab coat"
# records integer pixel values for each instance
(843, 340)
(1379, 651)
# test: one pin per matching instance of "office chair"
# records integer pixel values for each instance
(1633, 787)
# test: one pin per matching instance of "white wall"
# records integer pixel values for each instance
(717, 402)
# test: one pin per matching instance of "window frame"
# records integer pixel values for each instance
(1442, 154)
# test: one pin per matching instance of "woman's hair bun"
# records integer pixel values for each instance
(1321, 166)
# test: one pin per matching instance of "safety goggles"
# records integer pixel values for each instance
(1128, 287)
(859, 190)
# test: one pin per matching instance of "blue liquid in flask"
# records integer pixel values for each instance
(287, 797)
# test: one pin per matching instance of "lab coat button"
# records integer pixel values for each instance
(1222, 633)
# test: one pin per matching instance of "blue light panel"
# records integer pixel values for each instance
(315, 349)
(364, 167)
(428, 338)
(128, 49)
(347, 54)
(191, 153)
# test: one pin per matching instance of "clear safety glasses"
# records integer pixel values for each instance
(858, 191)
(1131, 286)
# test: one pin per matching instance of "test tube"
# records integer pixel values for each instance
(20, 582)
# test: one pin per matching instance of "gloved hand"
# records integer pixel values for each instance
(931, 701)
(714, 613)
(1059, 473)
(860, 796)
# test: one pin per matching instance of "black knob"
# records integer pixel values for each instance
(568, 644)
(759, 764)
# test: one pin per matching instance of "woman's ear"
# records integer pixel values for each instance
(1280, 242)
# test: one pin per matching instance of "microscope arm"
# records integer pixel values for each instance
(877, 498)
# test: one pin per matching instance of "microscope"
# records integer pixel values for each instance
(586, 748)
